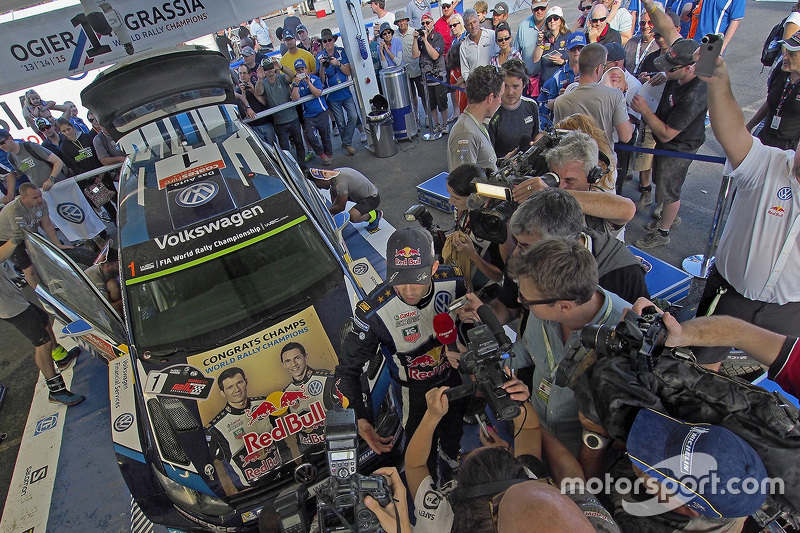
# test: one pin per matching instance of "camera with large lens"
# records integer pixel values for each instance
(340, 499)
(487, 353)
(420, 213)
(638, 338)
(489, 223)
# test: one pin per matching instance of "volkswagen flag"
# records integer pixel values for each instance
(71, 212)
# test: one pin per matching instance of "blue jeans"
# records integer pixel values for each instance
(346, 129)
(321, 123)
(290, 132)
(266, 133)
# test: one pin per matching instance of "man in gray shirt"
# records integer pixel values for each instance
(349, 184)
(469, 140)
(41, 166)
(406, 35)
(273, 83)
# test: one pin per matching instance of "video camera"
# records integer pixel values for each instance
(420, 213)
(639, 338)
(340, 499)
(487, 352)
(489, 223)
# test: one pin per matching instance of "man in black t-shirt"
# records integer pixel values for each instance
(517, 116)
(679, 125)
(251, 104)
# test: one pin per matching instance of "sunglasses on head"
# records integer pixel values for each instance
(503, 39)
(601, 19)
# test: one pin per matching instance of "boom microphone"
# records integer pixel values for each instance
(445, 329)
(488, 317)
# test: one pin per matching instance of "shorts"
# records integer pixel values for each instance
(32, 323)
(417, 87)
(367, 204)
(20, 256)
(644, 161)
(669, 173)
(438, 97)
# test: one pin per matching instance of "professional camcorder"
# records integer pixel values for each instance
(419, 213)
(489, 223)
(487, 353)
(340, 500)
(639, 338)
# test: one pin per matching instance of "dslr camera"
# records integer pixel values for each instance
(485, 358)
(326, 62)
(640, 339)
(489, 223)
(340, 499)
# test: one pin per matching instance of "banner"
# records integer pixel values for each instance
(70, 211)
(94, 34)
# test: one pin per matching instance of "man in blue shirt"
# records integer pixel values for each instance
(314, 110)
(334, 68)
(528, 35)
(559, 81)
(718, 16)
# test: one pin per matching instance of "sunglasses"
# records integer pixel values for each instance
(646, 23)
(384, 34)
(585, 8)
(454, 25)
(503, 39)
(327, 40)
(602, 19)
(45, 128)
(551, 19)
(92, 120)
(675, 69)
(540, 9)
(427, 22)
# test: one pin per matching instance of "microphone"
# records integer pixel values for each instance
(445, 329)
(488, 317)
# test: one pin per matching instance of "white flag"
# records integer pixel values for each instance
(71, 212)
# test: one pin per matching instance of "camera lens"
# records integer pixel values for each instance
(603, 339)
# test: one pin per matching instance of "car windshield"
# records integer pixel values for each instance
(209, 303)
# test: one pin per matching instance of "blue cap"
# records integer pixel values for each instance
(576, 39)
(300, 63)
(287, 34)
(699, 463)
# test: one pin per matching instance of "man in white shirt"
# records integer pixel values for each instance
(479, 46)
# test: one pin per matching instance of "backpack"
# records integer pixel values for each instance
(772, 49)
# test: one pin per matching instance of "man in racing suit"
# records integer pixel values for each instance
(312, 386)
(242, 416)
(398, 315)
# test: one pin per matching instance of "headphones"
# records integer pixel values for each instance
(596, 173)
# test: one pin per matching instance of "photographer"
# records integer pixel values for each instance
(314, 111)
(574, 160)
(429, 47)
(471, 503)
(250, 103)
(334, 68)
(558, 284)
(397, 510)
(485, 260)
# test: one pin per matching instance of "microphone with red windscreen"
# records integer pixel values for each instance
(445, 329)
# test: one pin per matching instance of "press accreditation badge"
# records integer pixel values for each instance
(544, 389)
(776, 122)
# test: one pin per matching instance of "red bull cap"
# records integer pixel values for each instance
(409, 257)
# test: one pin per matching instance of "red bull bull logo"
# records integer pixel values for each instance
(407, 257)
(292, 398)
(777, 211)
(275, 404)
(263, 410)
(422, 360)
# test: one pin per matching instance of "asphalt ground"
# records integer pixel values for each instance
(418, 160)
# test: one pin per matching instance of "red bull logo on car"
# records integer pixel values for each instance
(285, 427)
(275, 404)
(407, 256)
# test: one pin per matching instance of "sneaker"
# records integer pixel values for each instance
(652, 240)
(326, 159)
(437, 128)
(644, 200)
(445, 129)
(66, 362)
(653, 224)
(349, 149)
(374, 224)
(65, 397)
(310, 155)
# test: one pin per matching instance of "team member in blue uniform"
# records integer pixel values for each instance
(398, 315)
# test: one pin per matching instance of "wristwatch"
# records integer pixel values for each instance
(595, 441)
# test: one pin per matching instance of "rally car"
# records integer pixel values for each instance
(236, 294)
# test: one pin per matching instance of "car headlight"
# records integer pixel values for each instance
(191, 499)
